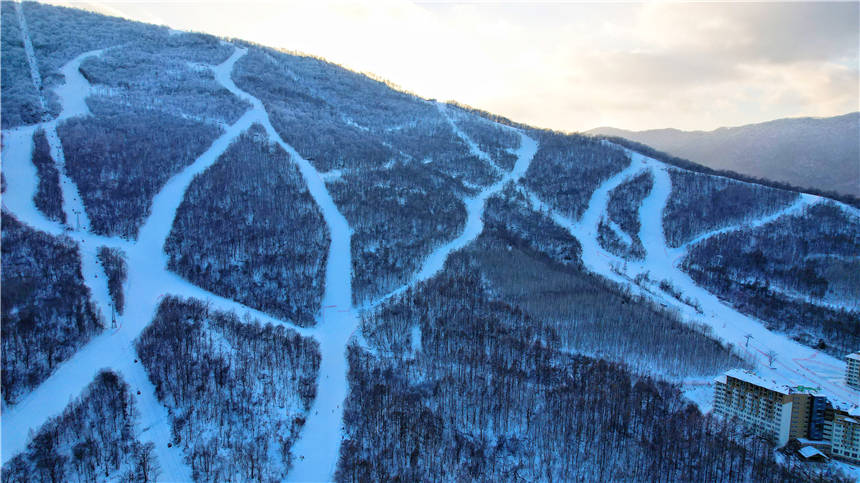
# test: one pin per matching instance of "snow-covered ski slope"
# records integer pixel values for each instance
(317, 450)
(148, 279)
(795, 364)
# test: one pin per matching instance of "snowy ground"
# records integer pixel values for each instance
(474, 210)
(795, 364)
(148, 279)
(317, 450)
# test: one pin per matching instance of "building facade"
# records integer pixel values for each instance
(768, 409)
(844, 436)
(783, 413)
(852, 370)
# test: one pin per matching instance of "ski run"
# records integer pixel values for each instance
(795, 364)
(317, 449)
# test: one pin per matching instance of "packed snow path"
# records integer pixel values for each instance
(795, 363)
(317, 450)
(474, 209)
(148, 281)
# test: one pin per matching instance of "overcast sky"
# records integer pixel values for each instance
(568, 66)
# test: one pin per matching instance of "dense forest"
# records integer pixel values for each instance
(531, 269)
(515, 362)
(788, 272)
(61, 34)
(48, 198)
(21, 104)
(701, 203)
(623, 213)
(398, 216)
(105, 153)
(46, 310)
(457, 385)
(170, 76)
(116, 270)
(92, 440)
(688, 165)
(261, 240)
(495, 140)
(238, 392)
(568, 168)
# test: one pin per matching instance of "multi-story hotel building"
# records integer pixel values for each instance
(783, 413)
(770, 409)
(843, 433)
(852, 370)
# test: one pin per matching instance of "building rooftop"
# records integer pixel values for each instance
(753, 378)
(808, 452)
(855, 356)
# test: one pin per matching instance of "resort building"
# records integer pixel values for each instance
(852, 370)
(783, 413)
(844, 435)
(770, 409)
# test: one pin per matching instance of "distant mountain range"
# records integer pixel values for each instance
(820, 153)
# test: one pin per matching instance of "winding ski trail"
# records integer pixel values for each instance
(148, 279)
(474, 215)
(661, 263)
(317, 450)
(473, 147)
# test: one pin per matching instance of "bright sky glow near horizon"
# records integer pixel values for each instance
(566, 66)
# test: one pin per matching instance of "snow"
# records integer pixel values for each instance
(31, 54)
(317, 450)
(803, 201)
(474, 217)
(752, 378)
(148, 281)
(154, 423)
(702, 395)
(853, 471)
(415, 338)
(809, 451)
(473, 147)
(74, 91)
(318, 447)
(621, 234)
(795, 364)
(22, 179)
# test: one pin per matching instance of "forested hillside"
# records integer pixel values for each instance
(223, 261)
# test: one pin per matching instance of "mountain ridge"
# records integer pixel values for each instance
(822, 153)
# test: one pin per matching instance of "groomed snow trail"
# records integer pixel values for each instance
(795, 363)
(474, 216)
(801, 203)
(148, 281)
(473, 147)
(317, 450)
